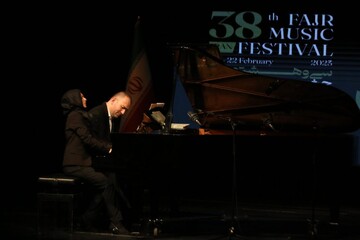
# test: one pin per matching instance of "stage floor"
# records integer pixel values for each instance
(211, 220)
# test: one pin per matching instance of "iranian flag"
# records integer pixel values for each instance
(139, 84)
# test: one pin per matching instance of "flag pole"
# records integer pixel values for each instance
(170, 115)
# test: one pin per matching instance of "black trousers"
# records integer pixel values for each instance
(104, 193)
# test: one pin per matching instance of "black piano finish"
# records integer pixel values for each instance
(162, 169)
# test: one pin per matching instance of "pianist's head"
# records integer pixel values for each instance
(118, 104)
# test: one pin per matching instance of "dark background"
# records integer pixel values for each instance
(56, 46)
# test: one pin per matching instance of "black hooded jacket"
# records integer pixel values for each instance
(80, 142)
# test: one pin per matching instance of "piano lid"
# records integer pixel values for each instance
(220, 94)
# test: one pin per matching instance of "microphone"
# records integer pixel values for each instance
(272, 87)
(268, 122)
(194, 117)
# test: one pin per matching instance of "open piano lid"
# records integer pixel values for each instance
(220, 94)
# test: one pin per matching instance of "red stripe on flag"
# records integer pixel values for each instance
(139, 84)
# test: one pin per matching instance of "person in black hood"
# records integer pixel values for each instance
(77, 161)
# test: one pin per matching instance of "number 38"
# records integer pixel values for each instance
(246, 25)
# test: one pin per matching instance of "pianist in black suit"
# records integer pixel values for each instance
(77, 161)
(105, 117)
(104, 120)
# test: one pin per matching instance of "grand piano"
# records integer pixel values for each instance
(284, 141)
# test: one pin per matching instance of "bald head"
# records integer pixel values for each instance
(118, 104)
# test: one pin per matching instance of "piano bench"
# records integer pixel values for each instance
(58, 200)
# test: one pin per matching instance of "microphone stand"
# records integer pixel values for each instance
(234, 226)
(312, 222)
(232, 229)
